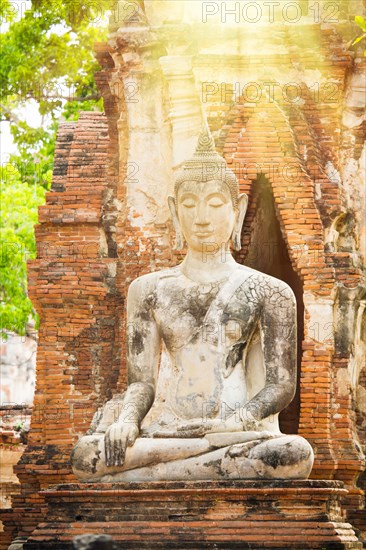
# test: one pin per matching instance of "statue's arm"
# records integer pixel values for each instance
(278, 327)
(143, 352)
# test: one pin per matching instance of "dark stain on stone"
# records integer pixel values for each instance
(144, 312)
(284, 456)
(95, 461)
(234, 356)
(137, 342)
(216, 465)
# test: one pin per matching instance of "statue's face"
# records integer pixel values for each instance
(206, 214)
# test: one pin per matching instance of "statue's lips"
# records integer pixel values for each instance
(202, 234)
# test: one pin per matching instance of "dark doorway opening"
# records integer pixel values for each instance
(267, 252)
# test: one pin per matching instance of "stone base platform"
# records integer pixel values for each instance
(195, 515)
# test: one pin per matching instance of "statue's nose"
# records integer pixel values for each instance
(202, 214)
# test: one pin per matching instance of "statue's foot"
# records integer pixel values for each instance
(284, 457)
(88, 458)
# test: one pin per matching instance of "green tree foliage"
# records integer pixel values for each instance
(19, 203)
(360, 22)
(47, 61)
(47, 57)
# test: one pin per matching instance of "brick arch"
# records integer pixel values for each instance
(261, 141)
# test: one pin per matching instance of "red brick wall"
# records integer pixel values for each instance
(72, 284)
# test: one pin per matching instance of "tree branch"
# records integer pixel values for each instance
(9, 115)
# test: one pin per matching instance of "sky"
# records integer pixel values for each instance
(32, 117)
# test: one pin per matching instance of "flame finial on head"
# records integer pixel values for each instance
(207, 165)
(206, 143)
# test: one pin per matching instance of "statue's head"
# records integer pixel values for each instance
(207, 207)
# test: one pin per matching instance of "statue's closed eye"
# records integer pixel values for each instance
(216, 203)
(189, 204)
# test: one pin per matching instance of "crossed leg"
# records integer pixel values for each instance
(282, 457)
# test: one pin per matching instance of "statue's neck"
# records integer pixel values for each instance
(208, 268)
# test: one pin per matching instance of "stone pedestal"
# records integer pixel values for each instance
(218, 515)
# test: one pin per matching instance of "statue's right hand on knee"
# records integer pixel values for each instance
(118, 437)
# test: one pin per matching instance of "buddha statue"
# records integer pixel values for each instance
(211, 355)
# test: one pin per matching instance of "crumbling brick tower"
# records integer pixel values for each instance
(285, 108)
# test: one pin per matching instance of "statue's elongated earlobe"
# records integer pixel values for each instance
(236, 241)
(179, 239)
(236, 235)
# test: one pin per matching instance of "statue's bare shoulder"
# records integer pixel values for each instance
(265, 287)
(145, 285)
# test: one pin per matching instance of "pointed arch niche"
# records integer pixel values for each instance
(267, 252)
(283, 236)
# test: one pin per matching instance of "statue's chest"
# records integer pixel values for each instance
(197, 313)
